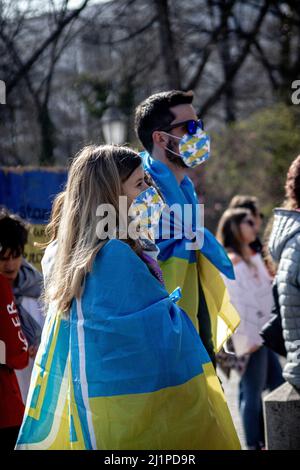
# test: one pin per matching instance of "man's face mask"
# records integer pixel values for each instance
(194, 145)
(146, 210)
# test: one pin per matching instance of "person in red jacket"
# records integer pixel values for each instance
(13, 355)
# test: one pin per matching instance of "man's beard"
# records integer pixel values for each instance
(175, 159)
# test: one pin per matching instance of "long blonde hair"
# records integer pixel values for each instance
(52, 227)
(95, 178)
(51, 230)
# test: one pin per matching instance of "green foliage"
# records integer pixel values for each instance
(93, 92)
(252, 157)
(126, 104)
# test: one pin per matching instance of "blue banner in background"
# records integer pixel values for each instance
(29, 192)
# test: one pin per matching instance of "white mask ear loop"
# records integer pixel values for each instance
(172, 151)
(175, 136)
(171, 135)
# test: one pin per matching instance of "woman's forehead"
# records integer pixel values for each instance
(138, 172)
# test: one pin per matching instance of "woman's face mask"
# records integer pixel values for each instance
(146, 210)
(194, 149)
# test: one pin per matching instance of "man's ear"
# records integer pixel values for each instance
(160, 139)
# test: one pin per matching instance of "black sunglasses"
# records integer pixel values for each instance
(249, 222)
(190, 126)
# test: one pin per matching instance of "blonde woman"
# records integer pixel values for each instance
(120, 365)
(251, 294)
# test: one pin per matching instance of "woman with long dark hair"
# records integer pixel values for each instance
(251, 294)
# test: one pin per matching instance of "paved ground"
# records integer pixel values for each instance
(231, 392)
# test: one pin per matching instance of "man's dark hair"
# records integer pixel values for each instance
(13, 233)
(246, 202)
(154, 113)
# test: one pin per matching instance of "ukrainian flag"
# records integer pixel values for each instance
(126, 370)
(183, 265)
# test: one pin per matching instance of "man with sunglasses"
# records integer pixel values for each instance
(175, 141)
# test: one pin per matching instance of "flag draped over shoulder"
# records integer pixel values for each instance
(126, 370)
(181, 266)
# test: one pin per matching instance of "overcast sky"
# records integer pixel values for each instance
(43, 4)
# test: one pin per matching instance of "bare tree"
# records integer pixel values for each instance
(138, 47)
(233, 67)
(62, 20)
(59, 26)
(167, 44)
(281, 58)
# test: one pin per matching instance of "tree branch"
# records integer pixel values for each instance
(35, 56)
(208, 49)
(239, 62)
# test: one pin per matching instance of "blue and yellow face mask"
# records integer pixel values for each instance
(145, 211)
(194, 149)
